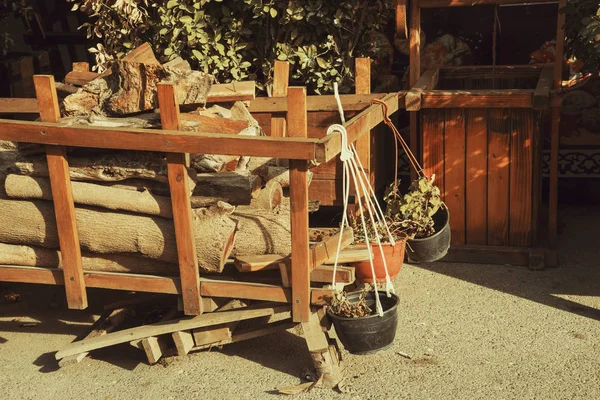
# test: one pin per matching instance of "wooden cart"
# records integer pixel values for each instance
(196, 291)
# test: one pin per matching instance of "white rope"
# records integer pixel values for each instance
(354, 170)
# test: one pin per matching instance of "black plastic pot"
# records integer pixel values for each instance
(367, 335)
(434, 247)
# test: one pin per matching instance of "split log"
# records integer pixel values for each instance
(89, 194)
(33, 223)
(33, 256)
(262, 231)
(237, 187)
(107, 167)
(269, 198)
(131, 88)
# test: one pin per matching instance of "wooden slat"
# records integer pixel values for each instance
(212, 335)
(62, 195)
(401, 20)
(259, 262)
(428, 81)
(182, 212)
(454, 172)
(476, 177)
(329, 146)
(521, 177)
(350, 102)
(246, 290)
(184, 342)
(80, 78)
(512, 98)
(433, 145)
(166, 327)
(281, 77)
(158, 140)
(234, 91)
(498, 176)
(215, 124)
(301, 264)
(324, 274)
(541, 96)
(351, 254)
(362, 78)
(21, 106)
(327, 192)
(468, 3)
(327, 248)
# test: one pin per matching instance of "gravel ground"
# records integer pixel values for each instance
(472, 331)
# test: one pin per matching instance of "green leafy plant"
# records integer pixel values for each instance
(582, 30)
(238, 40)
(413, 212)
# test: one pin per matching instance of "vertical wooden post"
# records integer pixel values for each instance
(363, 86)
(298, 127)
(62, 195)
(182, 212)
(554, 136)
(414, 71)
(281, 77)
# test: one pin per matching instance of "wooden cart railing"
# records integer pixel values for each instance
(189, 284)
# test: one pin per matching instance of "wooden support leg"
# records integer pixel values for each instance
(62, 196)
(182, 212)
(325, 354)
(281, 77)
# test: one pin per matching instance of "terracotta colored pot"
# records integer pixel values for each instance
(394, 257)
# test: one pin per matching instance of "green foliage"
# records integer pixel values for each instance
(583, 33)
(17, 8)
(413, 212)
(236, 40)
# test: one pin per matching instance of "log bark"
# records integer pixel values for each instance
(262, 231)
(33, 223)
(237, 187)
(107, 167)
(89, 194)
(269, 198)
(33, 256)
(131, 88)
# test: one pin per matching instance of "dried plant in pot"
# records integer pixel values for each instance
(358, 326)
(421, 214)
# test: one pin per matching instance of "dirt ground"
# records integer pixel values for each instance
(472, 332)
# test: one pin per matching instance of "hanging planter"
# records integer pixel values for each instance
(358, 326)
(434, 247)
(394, 257)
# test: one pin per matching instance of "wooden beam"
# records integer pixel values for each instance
(324, 274)
(350, 102)
(301, 265)
(363, 144)
(184, 342)
(157, 140)
(234, 91)
(21, 106)
(80, 78)
(541, 95)
(428, 81)
(259, 262)
(62, 195)
(281, 77)
(330, 146)
(182, 211)
(401, 20)
(216, 124)
(351, 254)
(469, 3)
(510, 98)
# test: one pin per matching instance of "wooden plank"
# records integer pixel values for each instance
(167, 327)
(350, 254)
(468, 3)
(433, 124)
(324, 274)
(301, 263)
(207, 336)
(184, 341)
(259, 262)
(80, 66)
(362, 78)
(62, 195)
(350, 102)
(498, 176)
(541, 95)
(454, 172)
(327, 192)
(281, 78)
(15, 105)
(476, 177)
(401, 25)
(182, 212)
(512, 98)
(234, 91)
(521, 178)
(170, 141)
(326, 249)
(154, 347)
(215, 124)
(428, 81)
(329, 146)
(485, 71)
(80, 78)
(246, 290)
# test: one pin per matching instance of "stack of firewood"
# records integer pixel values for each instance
(123, 208)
